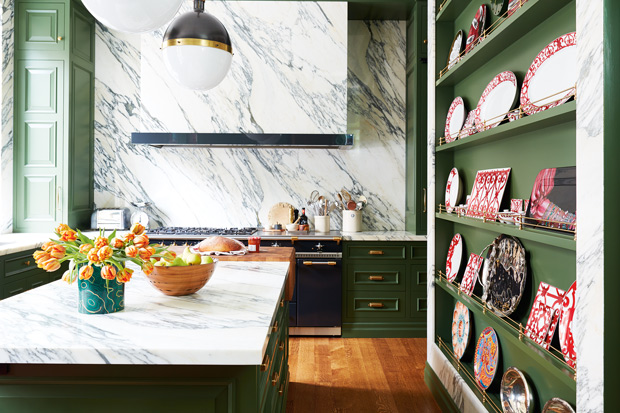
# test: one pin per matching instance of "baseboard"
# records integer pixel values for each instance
(441, 395)
(383, 330)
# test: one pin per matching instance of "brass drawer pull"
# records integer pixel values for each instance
(375, 305)
(265, 365)
(275, 378)
(281, 391)
(320, 263)
(275, 327)
(376, 278)
(282, 303)
(375, 252)
(27, 263)
(281, 346)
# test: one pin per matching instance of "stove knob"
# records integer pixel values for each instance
(319, 247)
(275, 244)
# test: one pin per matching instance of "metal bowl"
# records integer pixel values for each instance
(515, 393)
(556, 405)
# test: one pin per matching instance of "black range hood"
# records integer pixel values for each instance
(250, 140)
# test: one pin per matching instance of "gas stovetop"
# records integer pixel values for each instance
(183, 232)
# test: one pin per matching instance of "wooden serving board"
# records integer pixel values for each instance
(266, 254)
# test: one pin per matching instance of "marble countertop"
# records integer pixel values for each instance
(225, 323)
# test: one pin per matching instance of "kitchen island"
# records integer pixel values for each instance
(224, 348)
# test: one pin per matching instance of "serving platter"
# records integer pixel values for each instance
(471, 274)
(504, 278)
(460, 329)
(454, 190)
(455, 119)
(456, 49)
(557, 405)
(552, 76)
(515, 393)
(514, 5)
(544, 314)
(468, 128)
(486, 195)
(477, 28)
(497, 99)
(454, 258)
(487, 355)
(553, 201)
(565, 327)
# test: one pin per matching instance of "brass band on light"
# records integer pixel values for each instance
(198, 42)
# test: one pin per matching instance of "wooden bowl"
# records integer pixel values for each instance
(179, 281)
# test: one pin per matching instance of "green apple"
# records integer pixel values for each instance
(206, 259)
(154, 261)
(160, 263)
(192, 259)
(178, 262)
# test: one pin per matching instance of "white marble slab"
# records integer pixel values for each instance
(6, 134)
(382, 236)
(225, 323)
(11, 243)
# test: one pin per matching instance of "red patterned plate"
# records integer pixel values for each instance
(471, 274)
(460, 329)
(565, 328)
(454, 258)
(514, 5)
(477, 28)
(468, 128)
(454, 190)
(498, 98)
(544, 315)
(487, 355)
(455, 119)
(550, 80)
(486, 195)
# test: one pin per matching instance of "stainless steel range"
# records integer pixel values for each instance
(316, 307)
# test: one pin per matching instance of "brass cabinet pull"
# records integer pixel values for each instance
(281, 391)
(376, 278)
(275, 378)
(275, 327)
(320, 263)
(375, 305)
(424, 199)
(59, 38)
(282, 303)
(27, 263)
(375, 252)
(281, 346)
(265, 365)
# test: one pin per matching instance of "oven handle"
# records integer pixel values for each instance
(320, 263)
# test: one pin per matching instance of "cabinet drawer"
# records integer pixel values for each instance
(376, 277)
(23, 283)
(378, 252)
(418, 252)
(373, 305)
(418, 277)
(19, 264)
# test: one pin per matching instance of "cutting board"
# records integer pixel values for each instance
(280, 213)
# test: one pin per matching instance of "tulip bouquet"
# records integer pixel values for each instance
(111, 253)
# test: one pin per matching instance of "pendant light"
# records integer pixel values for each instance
(197, 50)
(133, 16)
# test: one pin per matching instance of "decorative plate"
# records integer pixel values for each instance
(544, 314)
(454, 258)
(551, 79)
(516, 205)
(477, 28)
(455, 119)
(498, 98)
(498, 7)
(565, 327)
(514, 5)
(460, 329)
(471, 274)
(557, 405)
(487, 354)
(454, 190)
(468, 128)
(456, 49)
(487, 192)
(504, 283)
(553, 202)
(515, 392)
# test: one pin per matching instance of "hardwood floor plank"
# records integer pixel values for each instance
(358, 375)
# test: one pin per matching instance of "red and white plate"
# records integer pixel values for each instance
(544, 314)
(565, 328)
(551, 79)
(486, 195)
(454, 190)
(498, 98)
(471, 274)
(455, 49)
(477, 28)
(468, 128)
(455, 119)
(514, 5)
(454, 258)
(460, 329)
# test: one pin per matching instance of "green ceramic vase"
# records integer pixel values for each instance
(99, 296)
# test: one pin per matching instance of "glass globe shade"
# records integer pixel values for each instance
(197, 67)
(133, 16)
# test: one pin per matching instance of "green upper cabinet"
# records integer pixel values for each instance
(54, 115)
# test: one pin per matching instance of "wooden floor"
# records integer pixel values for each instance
(358, 375)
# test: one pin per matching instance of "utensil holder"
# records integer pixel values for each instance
(351, 221)
(321, 223)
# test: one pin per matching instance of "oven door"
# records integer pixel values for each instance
(319, 296)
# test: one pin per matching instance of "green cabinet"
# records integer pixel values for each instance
(54, 115)
(19, 273)
(384, 289)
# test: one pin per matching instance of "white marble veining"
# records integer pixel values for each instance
(226, 323)
(11, 243)
(6, 131)
(589, 308)
(382, 236)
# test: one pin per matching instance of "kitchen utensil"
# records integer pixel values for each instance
(351, 205)
(280, 213)
(292, 227)
(345, 195)
(363, 200)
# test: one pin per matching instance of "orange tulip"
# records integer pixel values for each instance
(168, 256)
(129, 236)
(84, 248)
(118, 243)
(108, 272)
(51, 265)
(131, 251)
(93, 256)
(124, 275)
(62, 228)
(101, 242)
(41, 255)
(137, 228)
(68, 235)
(47, 247)
(105, 252)
(147, 267)
(144, 253)
(141, 241)
(86, 272)
(58, 251)
(66, 276)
